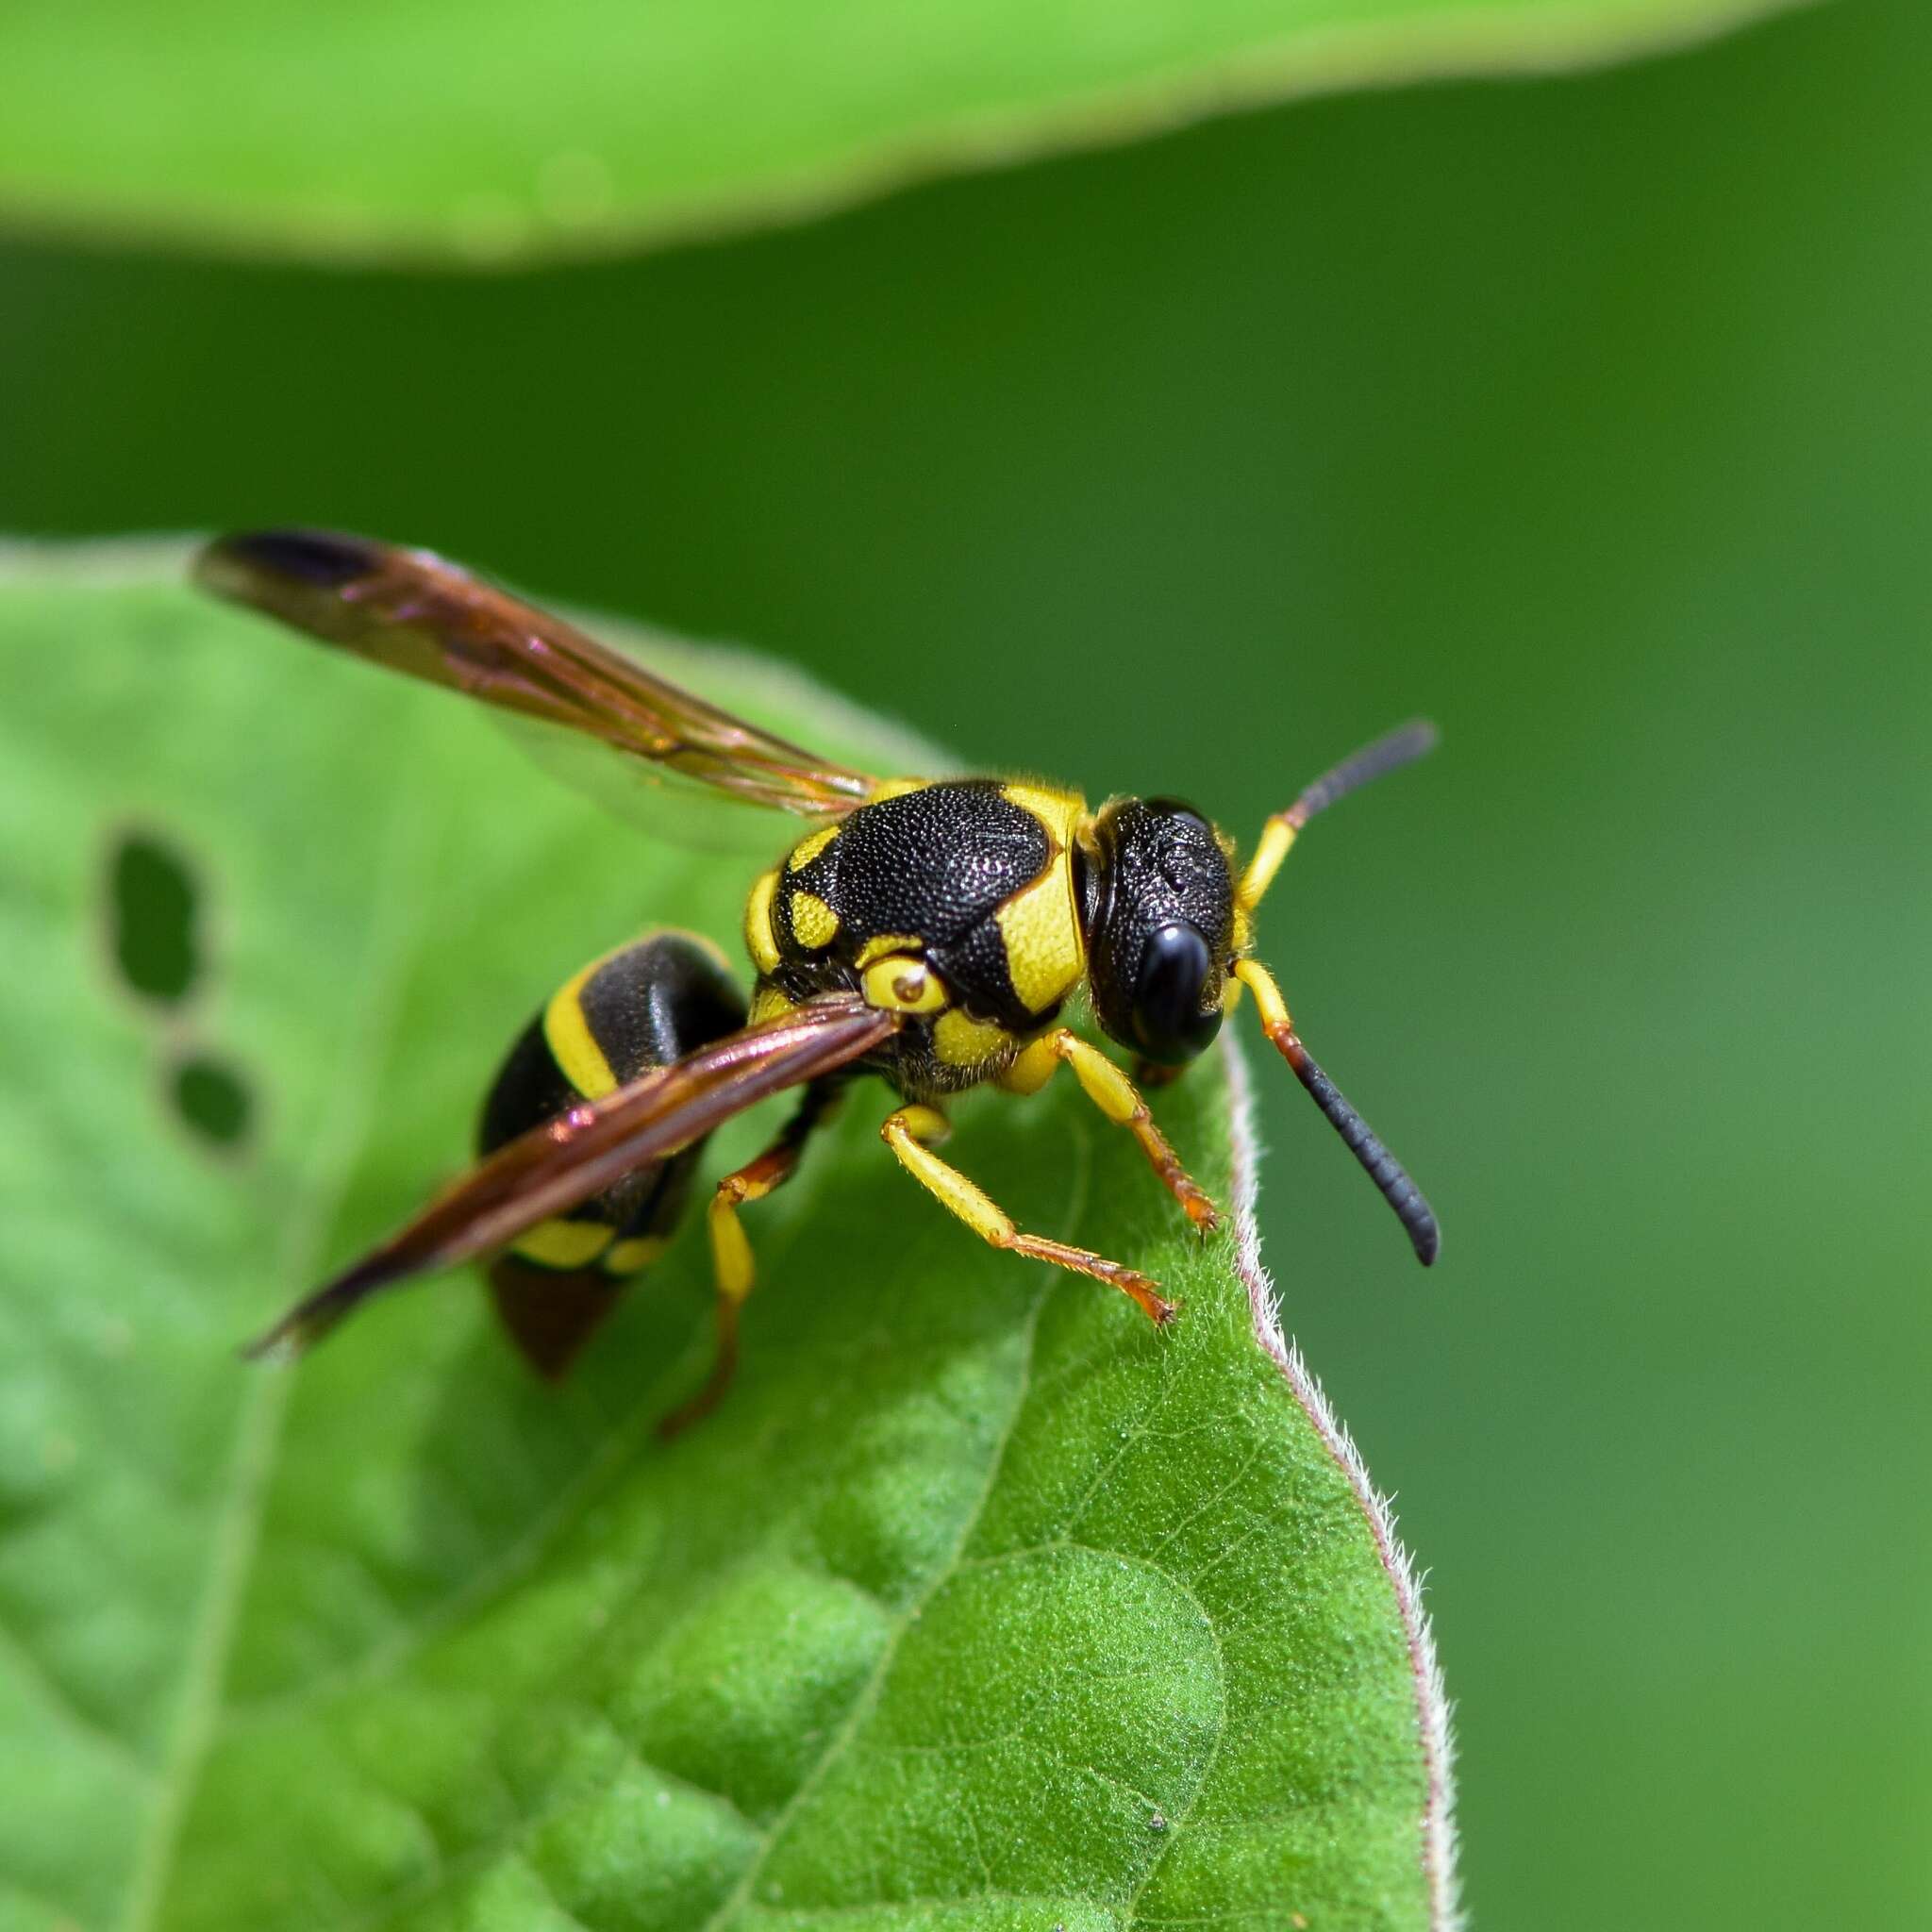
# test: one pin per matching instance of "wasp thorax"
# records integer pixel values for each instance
(1156, 902)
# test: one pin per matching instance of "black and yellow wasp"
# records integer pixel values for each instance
(930, 931)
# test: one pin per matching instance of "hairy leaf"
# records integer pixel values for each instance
(980, 1603)
(498, 132)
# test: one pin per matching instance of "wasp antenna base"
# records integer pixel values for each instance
(1388, 753)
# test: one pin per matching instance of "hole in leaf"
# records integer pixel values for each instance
(212, 1099)
(153, 898)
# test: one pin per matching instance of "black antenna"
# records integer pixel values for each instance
(1402, 746)
(1389, 1175)
(1407, 743)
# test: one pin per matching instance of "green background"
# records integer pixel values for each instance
(1590, 416)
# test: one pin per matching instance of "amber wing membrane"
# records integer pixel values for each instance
(417, 614)
(579, 1154)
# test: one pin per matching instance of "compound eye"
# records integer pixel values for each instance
(1170, 1027)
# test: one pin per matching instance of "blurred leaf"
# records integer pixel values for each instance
(495, 132)
(980, 1604)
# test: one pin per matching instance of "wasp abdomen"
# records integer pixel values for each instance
(642, 1006)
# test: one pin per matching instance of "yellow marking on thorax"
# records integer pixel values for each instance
(562, 1243)
(759, 939)
(1040, 928)
(808, 849)
(901, 983)
(567, 1034)
(627, 1257)
(814, 925)
(1058, 810)
(885, 942)
(896, 788)
(960, 1042)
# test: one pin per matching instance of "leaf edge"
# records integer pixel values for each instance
(1438, 1846)
(1479, 43)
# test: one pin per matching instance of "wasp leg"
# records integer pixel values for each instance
(733, 1270)
(1114, 1094)
(911, 1134)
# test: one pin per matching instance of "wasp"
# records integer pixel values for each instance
(930, 931)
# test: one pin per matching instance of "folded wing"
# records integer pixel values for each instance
(579, 1154)
(418, 615)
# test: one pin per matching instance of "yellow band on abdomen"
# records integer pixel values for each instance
(567, 1033)
(562, 1243)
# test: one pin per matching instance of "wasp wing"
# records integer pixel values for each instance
(553, 1167)
(414, 612)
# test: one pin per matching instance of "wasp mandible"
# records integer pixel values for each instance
(930, 931)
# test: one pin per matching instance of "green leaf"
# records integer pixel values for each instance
(980, 1604)
(496, 132)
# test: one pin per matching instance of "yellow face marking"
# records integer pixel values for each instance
(1059, 811)
(896, 788)
(813, 923)
(903, 984)
(568, 1036)
(768, 1003)
(1040, 928)
(758, 941)
(889, 943)
(562, 1243)
(808, 849)
(962, 1042)
(627, 1257)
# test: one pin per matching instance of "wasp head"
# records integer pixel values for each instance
(1158, 911)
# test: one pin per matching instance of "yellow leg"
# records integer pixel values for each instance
(912, 1133)
(1114, 1094)
(732, 1267)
